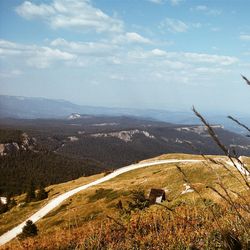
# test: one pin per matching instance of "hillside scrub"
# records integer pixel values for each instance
(29, 230)
(193, 221)
(187, 226)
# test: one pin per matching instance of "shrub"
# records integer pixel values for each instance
(3, 208)
(41, 194)
(139, 200)
(29, 230)
(31, 194)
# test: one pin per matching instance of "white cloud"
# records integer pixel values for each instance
(211, 59)
(131, 37)
(178, 67)
(186, 57)
(135, 37)
(77, 14)
(29, 10)
(246, 53)
(156, 1)
(43, 57)
(172, 2)
(206, 70)
(34, 56)
(8, 48)
(132, 65)
(215, 29)
(185, 68)
(116, 77)
(174, 25)
(196, 25)
(10, 73)
(86, 48)
(176, 2)
(201, 8)
(206, 10)
(158, 52)
(245, 37)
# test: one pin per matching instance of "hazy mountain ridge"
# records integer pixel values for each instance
(32, 108)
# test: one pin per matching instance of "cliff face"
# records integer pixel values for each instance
(27, 143)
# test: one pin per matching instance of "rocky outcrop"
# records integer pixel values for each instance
(12, 147)
(126, 136)
(2, 148)
(27, 143)
(3, 200)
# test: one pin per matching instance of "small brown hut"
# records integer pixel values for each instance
(156, 196)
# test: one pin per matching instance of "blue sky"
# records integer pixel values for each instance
(161, 54)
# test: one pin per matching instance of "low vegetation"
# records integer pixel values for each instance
(95, 219)
(29, 230)
(22, 210)
(6, 206)
(202, 224)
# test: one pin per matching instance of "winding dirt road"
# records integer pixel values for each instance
(11, 234)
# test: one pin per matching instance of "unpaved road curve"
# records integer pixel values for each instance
(11, 234)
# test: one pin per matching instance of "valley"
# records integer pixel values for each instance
(59, 150)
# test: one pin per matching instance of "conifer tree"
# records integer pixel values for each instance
(41, 193)
(30, 195)
(29, 230)
(3, 207)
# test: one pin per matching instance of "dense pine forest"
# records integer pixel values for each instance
(19, 170)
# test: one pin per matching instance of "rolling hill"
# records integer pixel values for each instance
(101, 217)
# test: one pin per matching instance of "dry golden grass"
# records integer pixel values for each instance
(19, 213)
(83, 218)
(190, 226)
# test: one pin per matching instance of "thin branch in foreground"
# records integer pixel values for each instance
(239, 123)
(211, 132)
(246, 80)
(199, 194)
(177, 216)
(117, 222)
(209, 159)
(223, 148)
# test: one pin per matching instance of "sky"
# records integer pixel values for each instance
(157, 54)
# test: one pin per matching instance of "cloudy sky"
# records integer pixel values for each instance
(163, 54)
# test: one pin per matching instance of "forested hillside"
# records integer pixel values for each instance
(53, 151)
(19, 170)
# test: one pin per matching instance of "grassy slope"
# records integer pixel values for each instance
(87, 205)
(19, 213)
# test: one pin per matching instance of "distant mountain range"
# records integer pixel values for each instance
(34, 107)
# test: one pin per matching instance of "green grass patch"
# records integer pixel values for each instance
(101, 193)
(56, 211)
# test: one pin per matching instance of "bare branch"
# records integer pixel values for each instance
(247, 81)
(223, 148)
(239, 123)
